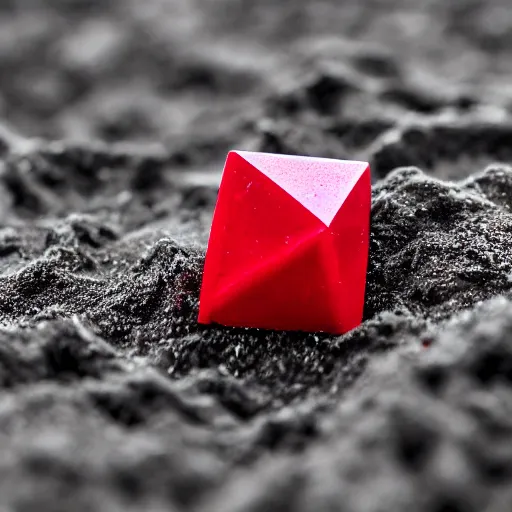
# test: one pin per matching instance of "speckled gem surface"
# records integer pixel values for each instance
(288, 247)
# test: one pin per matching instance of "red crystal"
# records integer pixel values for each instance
(288, 247)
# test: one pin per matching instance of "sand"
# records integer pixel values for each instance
(116, 117)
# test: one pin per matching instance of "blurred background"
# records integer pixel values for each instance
(111, 395)
(324, 77)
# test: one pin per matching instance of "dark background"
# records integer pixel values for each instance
(115, 120)
(206, 73)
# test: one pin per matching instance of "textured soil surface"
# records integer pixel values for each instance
(115, 120)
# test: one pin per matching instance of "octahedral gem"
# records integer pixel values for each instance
(288, 247)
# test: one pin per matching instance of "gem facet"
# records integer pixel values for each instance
(288, 247)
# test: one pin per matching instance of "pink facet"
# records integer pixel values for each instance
(288, 247)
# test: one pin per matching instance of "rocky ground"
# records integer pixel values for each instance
(116, 117)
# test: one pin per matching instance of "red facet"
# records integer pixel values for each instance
(288, 247)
